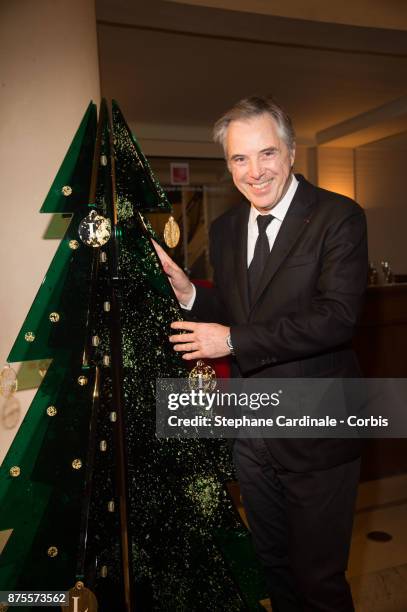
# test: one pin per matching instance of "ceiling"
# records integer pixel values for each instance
(174, 68)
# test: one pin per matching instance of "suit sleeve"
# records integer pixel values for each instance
(332, 313)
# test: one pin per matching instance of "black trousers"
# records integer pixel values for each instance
(301, 525)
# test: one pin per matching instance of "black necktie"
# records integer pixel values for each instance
(261, 253)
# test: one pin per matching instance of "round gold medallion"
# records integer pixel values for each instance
(29, 336)
(52, 551)
(54, 317)
(51, 411)
(66, 190)
(202, 376)
(82, 380)
(73, 244)
(171, 233)
(76, 464)
(95, 230)
(15, 471)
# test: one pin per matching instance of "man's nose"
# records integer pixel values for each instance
(255, 169)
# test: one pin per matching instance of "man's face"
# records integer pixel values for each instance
(259, 160)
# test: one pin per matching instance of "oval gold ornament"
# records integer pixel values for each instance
(8, 381)
(171, 233)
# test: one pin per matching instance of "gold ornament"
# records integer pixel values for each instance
(171, 233)
(51, 411)
(82, 380)
(110, 506)
(8, 381)
(95, 230)
(76, 464)
(15, 471)
(103, 257)
(103, 160)
(11, 412)
(113, 417)
(103, 445)
(73, 244)
(106, 306)
(52, 551)
(203, 377)
(29, 336)
(81, 599)
(103, 571)
(66, 190)
(106, 361)
(54, 317)
(95, 340)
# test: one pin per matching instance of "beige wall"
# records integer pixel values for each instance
(49, 73)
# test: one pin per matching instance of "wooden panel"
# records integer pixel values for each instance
(381, 346)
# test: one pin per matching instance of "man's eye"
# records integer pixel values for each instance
(239, 160)
(269, 153)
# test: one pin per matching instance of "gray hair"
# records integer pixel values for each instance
(255, 106)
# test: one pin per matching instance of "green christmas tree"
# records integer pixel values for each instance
(88, 494)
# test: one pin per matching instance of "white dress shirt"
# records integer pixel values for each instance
(279, 212)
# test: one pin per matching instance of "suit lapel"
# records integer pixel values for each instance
(295, 222)
(239, 249)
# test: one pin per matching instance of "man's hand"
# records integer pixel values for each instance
(180, 282)
(203, 340)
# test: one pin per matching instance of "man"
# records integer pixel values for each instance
(290, 271)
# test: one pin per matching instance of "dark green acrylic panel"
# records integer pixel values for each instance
(75, 169)
(135, 179)
(39, 337)
(42, 504)
(62, 291)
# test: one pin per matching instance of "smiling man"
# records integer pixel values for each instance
(290, 270)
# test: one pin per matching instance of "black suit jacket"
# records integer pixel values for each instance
(306, 307)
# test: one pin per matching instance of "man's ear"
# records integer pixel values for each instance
(292, 156)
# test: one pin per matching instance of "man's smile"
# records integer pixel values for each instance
(261, 186)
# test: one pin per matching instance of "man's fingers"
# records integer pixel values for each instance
(188, 325)
(194, 355)
(182, 338)
(164, 258)
(191, 346)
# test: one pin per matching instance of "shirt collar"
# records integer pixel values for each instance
(280, 210)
